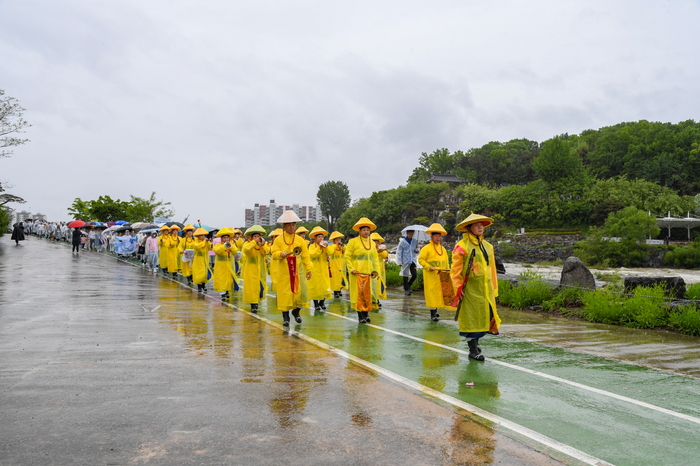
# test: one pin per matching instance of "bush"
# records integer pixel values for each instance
(531, 291)
(648, 312)
(626, 253)
(604, 307)
(641, 311)
(685, 320)
(693, 291)
(686, 257)
(563, 298)
(392, 275)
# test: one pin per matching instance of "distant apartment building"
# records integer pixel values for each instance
(267, 215)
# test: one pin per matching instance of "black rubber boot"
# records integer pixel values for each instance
(254, 308)
(317, 305)
(189, 279)
(323, 304)
(337, 294)
(174, 274)
(474, 350)
(224, 296)
(361, 317)
(295, 313)
(367, 319)
(379, 304)
(285, 318)
(434, 315)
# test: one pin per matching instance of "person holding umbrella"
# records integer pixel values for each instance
(474, 277)
(406, 255)
(438, 289)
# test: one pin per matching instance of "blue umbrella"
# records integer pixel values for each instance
(120, 222)
(206, 227)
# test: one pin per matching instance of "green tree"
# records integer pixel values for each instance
(81, 210)
(106, 209)
(439, 162)
(631, 224)
(558, 164)
(333, 199)
(11, 122)
(145, 210)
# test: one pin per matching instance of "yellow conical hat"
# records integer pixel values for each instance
(473, 218)
(336, 234)
(364, 222)
(318, 231)
(436, 228)
(376, 237)
(224, 232)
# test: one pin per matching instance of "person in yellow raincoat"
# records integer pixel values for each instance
(290, 251)
(474, 278)
(361, 258)
(224, 264)
(436, 269)
(200, 263)
(380, 284)
(163, 243)
(338, 276)
(255, 251)
(320, 284)
(272, 265)
(174, 251)
(187, 242)
(302, 232)
(239, 241)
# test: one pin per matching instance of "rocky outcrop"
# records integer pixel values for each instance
(675, 286)
(575, 273)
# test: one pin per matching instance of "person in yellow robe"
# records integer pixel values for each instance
(187, 242)
(337, 271)
(383, 254)
(200, 263)
(224, 263)
(174, 251)
(474, 278)
(361, 258)
(434, 260)
(320, 284)
(273, 265)
(239, 241)
(163, 243)
(255, 252)
(290, 252)
(302, 232)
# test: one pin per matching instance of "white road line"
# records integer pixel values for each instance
(540, 374)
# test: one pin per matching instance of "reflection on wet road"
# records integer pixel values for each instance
(224, 370)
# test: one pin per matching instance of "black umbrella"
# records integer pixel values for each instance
(125, 227)
(170, 224)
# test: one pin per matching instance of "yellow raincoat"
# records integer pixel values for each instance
(482, 287)
(224, 266)
(338, 278)
(286, 299)
(200, 262)
(360, 255)
(320, 283)
(173, 253)
(432, 255)
(254, 272)
(186, 267)
(163, 244)
(381, 283)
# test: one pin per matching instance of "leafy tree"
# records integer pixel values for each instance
(333, 199)
(632, 224)
(439, 162)
(558, 165)
(145, 210)
(11, 121)
(80, 210)
(106, 209)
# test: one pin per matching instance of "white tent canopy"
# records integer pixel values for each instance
(672, 222)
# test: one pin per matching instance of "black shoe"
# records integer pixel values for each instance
(474, 350)
(407, 292)
(361, 317)
(379, 305)
(224, 296)
(337, 294)
(285, 318)
(317, 305)
(295, 313)
(199, 288)
(204, 288)
(367, 319)
(254, 308)
(189, 279)
(323, 304)
(434, 315)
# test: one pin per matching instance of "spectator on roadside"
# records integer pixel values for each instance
(18, 233)
(406, 257)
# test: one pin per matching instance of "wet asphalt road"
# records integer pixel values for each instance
(104, 363)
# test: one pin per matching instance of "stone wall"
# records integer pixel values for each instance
(535, 248)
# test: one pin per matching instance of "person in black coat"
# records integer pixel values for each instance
(18, 233)
(76, 239)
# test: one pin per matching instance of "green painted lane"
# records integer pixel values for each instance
(614, 430)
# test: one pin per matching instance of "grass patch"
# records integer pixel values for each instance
(686, 320)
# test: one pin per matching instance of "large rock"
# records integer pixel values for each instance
(675, 286)
(574, 273)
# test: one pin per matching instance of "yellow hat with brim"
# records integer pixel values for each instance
(164, 228)
(255, 229)
(302, 230)
(175, 227)
(200, 231)
(318, 231)
(336, 234)
(473, 218)
(436, 228)
(224, 232)
(275, 233)
(189, 227)
(364, 222)
(376, 237)
(236, 230)
(289, 216)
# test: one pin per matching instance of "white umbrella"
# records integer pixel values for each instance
(419, 232)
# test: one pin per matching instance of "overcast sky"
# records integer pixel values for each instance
(218, 105)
